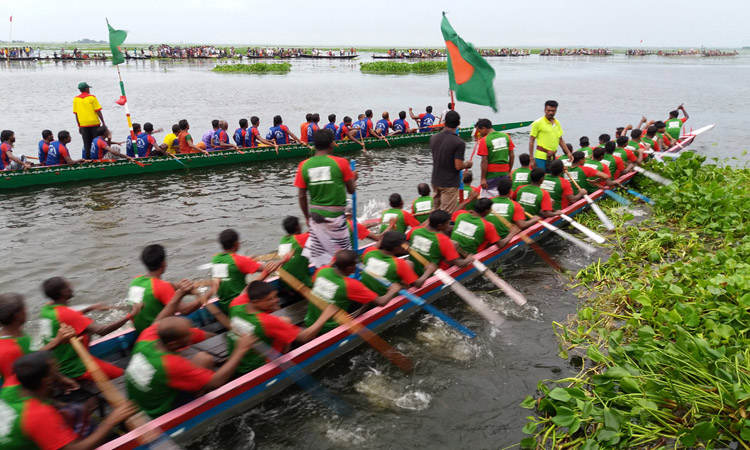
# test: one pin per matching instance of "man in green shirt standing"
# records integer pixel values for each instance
(546, 136)
(674, 123)
(496, 150)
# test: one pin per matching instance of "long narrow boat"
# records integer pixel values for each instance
(105, 170)
(304, 55)
(186, 421)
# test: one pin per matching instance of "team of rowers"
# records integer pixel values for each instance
(53, 152)
(163, 372)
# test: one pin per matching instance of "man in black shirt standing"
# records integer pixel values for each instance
(447, 163)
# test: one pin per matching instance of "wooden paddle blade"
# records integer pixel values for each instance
(602, 216)
(654, 176)
(584, 229)
(509, 290)
(617, 197)
(545, 256)
(476, 304)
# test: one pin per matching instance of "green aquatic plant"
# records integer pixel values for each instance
(391, 67)
(663, 339)
(253, 68)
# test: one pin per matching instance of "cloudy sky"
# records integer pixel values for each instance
(683, 23)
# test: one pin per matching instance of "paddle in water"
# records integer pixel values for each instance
(355, 234)
(577, 242)
(617, 197)
(597, 210)
(518, 298)
(530, 242)
(654, 176)
(640, 196)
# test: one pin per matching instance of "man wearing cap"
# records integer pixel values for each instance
(89, 116)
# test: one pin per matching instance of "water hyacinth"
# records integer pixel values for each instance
(254, 68)
(390, 67)
(663, 339)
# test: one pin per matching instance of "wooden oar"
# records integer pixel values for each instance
(419, 301)
(530, 242)
(597, 210)
(135, 161)
(584, 229)
(654, 176)
(242, 153)
(517, 297)
(355, 234)
(617, 197)
(466, 295)
(32, 157)
(398, 358)
(579, 243)
(153, 438)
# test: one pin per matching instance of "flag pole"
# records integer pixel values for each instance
(133, 137)
(10, 32)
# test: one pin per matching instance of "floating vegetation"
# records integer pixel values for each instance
(663, 340)
(390, 67)
(253, 68)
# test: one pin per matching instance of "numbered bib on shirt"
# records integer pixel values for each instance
(500, 208)
(241, 326)
(499, 143)
(548, 185)
(325, 289)
(527, 198)
(388, 217)
(319, 175)
(466, 229)
(140, 372)
(523, 176)
(591, 166)
(8, 417)
(674, 125)
(422, 245)
(220, 271)
(573, 175)
(424, 206)
(135, 294)
(377, 266)
(284, 249)
(45, 329)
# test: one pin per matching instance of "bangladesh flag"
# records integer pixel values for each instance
(469, 75)
(116, 38)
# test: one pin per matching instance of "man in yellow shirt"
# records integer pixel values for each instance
(546, 133)
(171, 144)
(89, 116)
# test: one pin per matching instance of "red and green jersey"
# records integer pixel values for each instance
(154, 293)
(324, 177)
(391, 268)
(533, 199)
(581, 175)
(29, 423)
(434, 246)
(558, 189)
(12, 348)
(467, 192)
(520, 177)
(297, 265)
(625, 153)
(473, 233)
(231, 269)
(52, 316)
(674, 127)
(362, 231)
(666, 139)
(633, 145)
(154, 377)
(587, 150)
(339, 290)
(403, 218)
(272, 330)
(614, 164)
(422, 207)
(507, 208)
(654, 145)
(598, 165)
(496, 148)
(11, 390)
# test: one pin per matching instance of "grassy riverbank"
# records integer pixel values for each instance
(390, 67)
(253, 68)
(663, 338)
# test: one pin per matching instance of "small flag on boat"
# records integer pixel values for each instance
(116, 38)
(122, 100)
(469, 75)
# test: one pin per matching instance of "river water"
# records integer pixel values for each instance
(463, 394)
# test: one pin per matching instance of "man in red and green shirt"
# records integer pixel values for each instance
(333, 285)
(384, 261)
(502, 205)
(559, 188)
(403, 219)
(159, 298)
(229, 269)
(423, 205)
(626, 153)
(156, 373)
(587, 175)
(433, 243)
(674, 123)
(471, 231)
(535, 200)
(56, 313)
(328, 179)
(293, 243)
(614, 163)
(520, 176)
(250, 313)
(496, 150)
(30, 421)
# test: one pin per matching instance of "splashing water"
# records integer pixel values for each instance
(441, 340)
(387, 394)
(371, 208)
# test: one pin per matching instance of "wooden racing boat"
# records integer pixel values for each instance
(304, 55)
(104, 170)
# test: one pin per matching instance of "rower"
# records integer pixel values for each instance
(603, 139)
(471, 193)
(241, 135)
(342, 132)
(650, 139)
(303, 128)
(333, 285)
(228, 269)
(331, 125)
(100, 149)
(425, 120)
(626, 154)
(433, 243)
(312, 127)
(296, 264)
(535, 200)
(362, 231)
(328, 179)
(56, 313)
(47, 138)
(368, 124)
(422, 206)
(220, 139)
(156, 294)
(674, 123)
(149, 146)
(31, 420)
(254, 134)
(614, 162)
(384, 261)
(383, 125)
(635, 140)
(404, 219)
(565, 158)
(145, 143)
(14, 343)
(280, 133)
(520, 176)
(583, 142)
(472, 232)
(511, 210)
(558, 186)
(58, 152)
(250, 314)
(496, 150)
(400, 125)
(171, 144)
(665, 141)
(8, 161)
(451, 107)
(159, 379)
(208, 136)
(359, 129)
(586, 173)
(186, 140)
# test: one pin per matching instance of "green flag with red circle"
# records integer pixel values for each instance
(469, 75)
